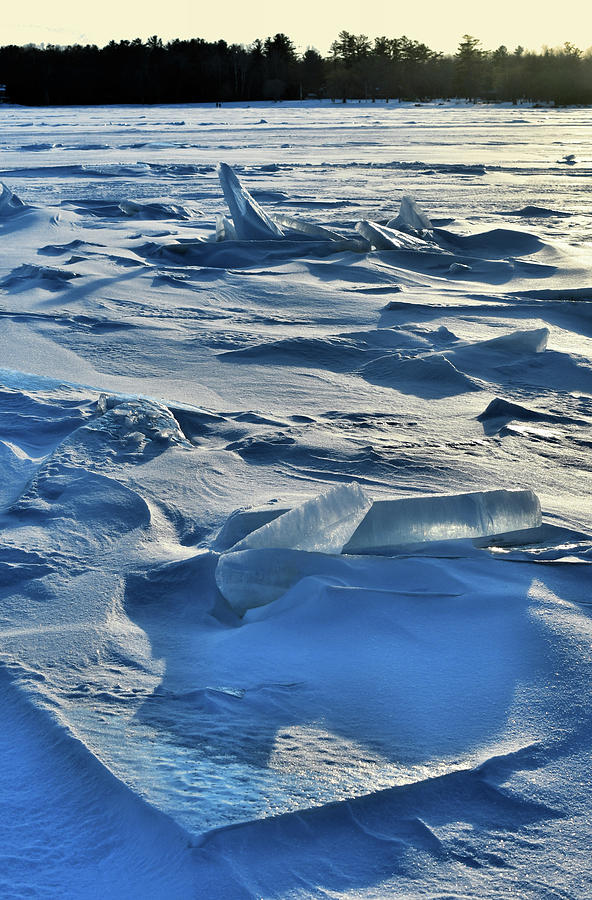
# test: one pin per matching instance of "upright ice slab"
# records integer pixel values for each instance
(250, 221)
(10, 204)
(411, 520)
(323, 524)
(411, 217)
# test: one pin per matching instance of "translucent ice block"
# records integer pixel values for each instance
(324, 523)
(411, 520)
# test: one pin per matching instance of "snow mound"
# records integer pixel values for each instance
(515, 343)
(499, 408)
(412, 520)
(432, 375)
(497, 243)
(538, 212)
(155, 210)
(323, 524)
(28, 276)
(250, 221)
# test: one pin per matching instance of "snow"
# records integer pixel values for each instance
(378, 697)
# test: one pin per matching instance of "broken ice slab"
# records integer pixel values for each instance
(384, 238)
(324, 523)
(443, 517)
(303, 227)
(251, 223)
(251, 578)
(410, 217)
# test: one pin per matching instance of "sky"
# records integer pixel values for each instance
(316, 23)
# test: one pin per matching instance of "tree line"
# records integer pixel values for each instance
(196, 71)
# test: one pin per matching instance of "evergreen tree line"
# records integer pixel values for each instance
(192, 71)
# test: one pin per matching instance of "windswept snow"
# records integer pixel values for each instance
(295, 445)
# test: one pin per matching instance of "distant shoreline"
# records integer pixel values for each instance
(356, 68)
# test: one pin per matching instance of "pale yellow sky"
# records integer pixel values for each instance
(531, 23)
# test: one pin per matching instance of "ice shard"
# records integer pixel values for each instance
(443, 517)
(10, 204)
(250, 221)
(225, 230)
(411, 217)
(323, 524)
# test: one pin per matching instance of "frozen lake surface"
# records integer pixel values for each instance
(212, 682)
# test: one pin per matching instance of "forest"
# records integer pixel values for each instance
(356, 67)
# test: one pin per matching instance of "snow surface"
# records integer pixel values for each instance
(184, 362)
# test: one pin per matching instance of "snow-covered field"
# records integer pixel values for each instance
(409, 717)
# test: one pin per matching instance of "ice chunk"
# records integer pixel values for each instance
(384, 238)
(411, 217)
(225, 230)
(244, 521)
(445, 517)
(252, 578)
(10, 204)
(250, 221)
(324, 523)
(309, 228)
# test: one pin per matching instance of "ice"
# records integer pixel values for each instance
(384, 238)
(244, 521)
(248, 579)
(411, 217)
(264, 565)
(250, 221)
(10, 204)
(225, 230)
(412, 520)
(303, 227)
(323, 524)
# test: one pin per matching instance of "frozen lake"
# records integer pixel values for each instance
(402, 710)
